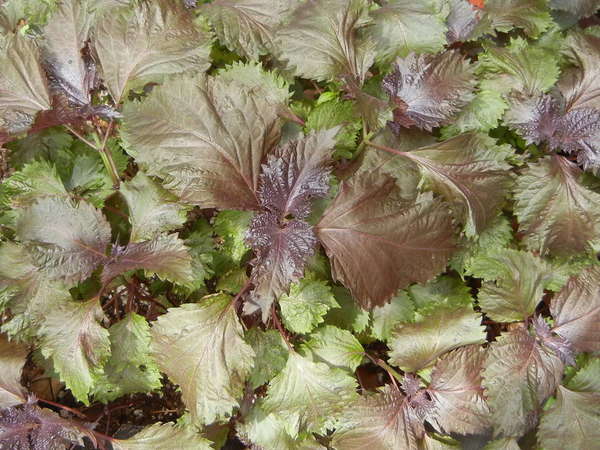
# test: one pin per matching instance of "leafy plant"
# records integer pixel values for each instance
(299, 225)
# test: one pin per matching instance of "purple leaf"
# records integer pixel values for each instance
(282, 249)
(428, 90)
(295, 173)
(462, 19)
(560, 345)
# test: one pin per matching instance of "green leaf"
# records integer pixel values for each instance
(247, 27)
(269, 432)
(557, 213)
(415, 346)
(12, 360)
(309, 394)
(503, 15)
(520, 279)
(66, 240)
(306, 304)
(152, 209)
(256, 79)
(201, 348)
(385, 318)
(271, 355)
(402, 26)
(71, 335)
(482, 114)
(334, 346)
(164, 435)
(519, 375)
(443, 289)
(231, 226)
(130, 368)
(349, 315)
(587, 379)
(148, 42)
(202, 250)
(320, 40)
(211, 155)
(503, 444)
(572, 422)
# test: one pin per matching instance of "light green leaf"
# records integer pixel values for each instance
(271, 355)
(349, 315)
(400, 309)
(130, 368)
(572, 422)
(201, 348)
(557, 213)
(202, 250)
(519, 375)
(247, 27)
(152, 209)
(146, 43)
(443, 289)
(231, 226)
(71, 335)
(309, 394)
(256, 79)
(306, 304)
(320, 40)
(417, 345)
(587, 379)
(210, 155)
(12, 359)
(164, 436)
(404, 26)
(520, 279)
(334, 346)
(66, 240)
(532, 16)
(482, 114)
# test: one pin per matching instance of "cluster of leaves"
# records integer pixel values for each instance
(331, 223)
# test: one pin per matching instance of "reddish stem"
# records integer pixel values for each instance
(66, 408)
(279, 327)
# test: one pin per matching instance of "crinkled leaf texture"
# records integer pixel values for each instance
(164, 435)
(334, 346)
(205, 137)
(377, 243)
(519, 375)
(532, 16)
(12, 360)
(146, 43)
(428, 90)
(201, 348)
(462, 19)
(556, 212)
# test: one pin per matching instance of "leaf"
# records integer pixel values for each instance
(253, 76)
(164, 435)
(69, 74)
(482, 114)
(334, 346)
(519, 375)
(377, 244)
(201, 348)
(582, 409)
(520, 280)
(311, 394)
(30, 427)
(456, 392)
(428, 91)
(414, 346)
(401, 27)
(12, 360)
(349, 315)
(71, 335)
(531, 16)
(576, 310)
(470, 171)
(587, 379)
(23, 87)
(146, 43)
(557, 214)
(379, 422)
(201, 247)
(67, 240)
(271, 355)
(152, 209)
(579, 86)
(35, 180)
(385, 318)
(130, 368)
(211, 154)
(306, 305)
(579, 8)
(462, 19)
(321, 40)
(442, 290)
(247, 27)
(295, 173)
(232, 226)
(503, 444)
(282, 251)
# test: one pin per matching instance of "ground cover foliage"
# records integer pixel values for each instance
(318, 224)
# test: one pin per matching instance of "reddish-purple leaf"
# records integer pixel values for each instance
(428, 90)
(561, 346)
(378, 243)
(462, 19)
(576, 311)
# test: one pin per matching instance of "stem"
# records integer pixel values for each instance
(393, 374)
(66, 408)
(386, 149)
(280, 327)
